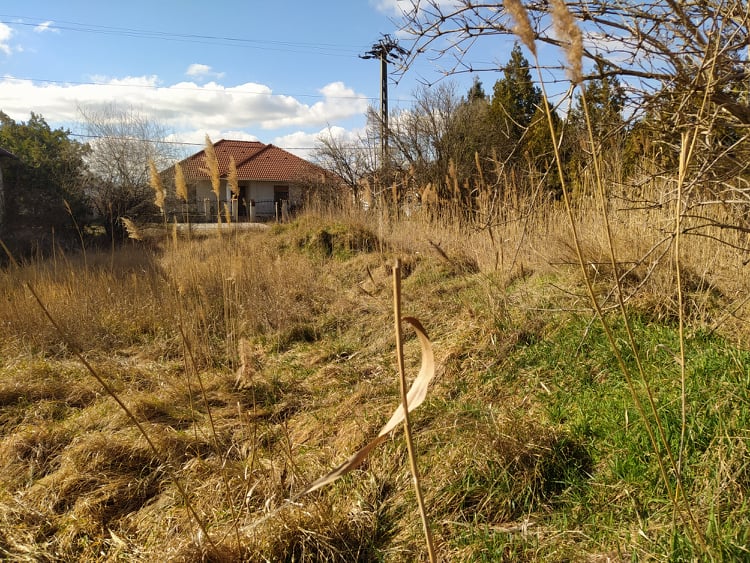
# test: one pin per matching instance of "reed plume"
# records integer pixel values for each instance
(570, 35)
(232, 180)
(132, 229)
(522, 24)
(212, 168)
(179, 183)
(157, 185)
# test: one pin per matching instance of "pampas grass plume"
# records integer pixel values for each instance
(157, 185)
(232, 180)
(569, 32)
(212, 168)
(522, 23)
(179, 183)
(133, 231)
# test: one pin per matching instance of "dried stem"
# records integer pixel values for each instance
(407, 425)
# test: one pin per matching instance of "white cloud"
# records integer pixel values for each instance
(300, 143)
(615, 48)
(401, 8)
(185, 106)
(304, 143)
(201, 70)
(5, 34)
(339, 102)
(45, 26)
(196, 69)
(197, 137)
(345, 136)
(393, 7)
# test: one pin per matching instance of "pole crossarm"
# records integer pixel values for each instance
(387, 50)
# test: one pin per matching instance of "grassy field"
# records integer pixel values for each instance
(193, 386)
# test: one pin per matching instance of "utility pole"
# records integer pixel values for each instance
(388, 51)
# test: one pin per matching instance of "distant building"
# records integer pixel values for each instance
(271, 182)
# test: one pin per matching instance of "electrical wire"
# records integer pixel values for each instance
(328, 49)
(196, 144)
(325, 49)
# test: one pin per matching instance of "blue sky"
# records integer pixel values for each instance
(281, 72)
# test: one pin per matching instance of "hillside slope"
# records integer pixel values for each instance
(256, 362)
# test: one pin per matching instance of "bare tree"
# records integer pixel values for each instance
(699, 44)
(683, 66)
(346, 158)
(123, 142)
(422, 141)
(352, 159)
(418, 131)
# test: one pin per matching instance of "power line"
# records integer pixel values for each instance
(199, 89)
(195, 144)
(136, 139)
(328, 49)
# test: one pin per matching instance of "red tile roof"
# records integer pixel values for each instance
(254, 161)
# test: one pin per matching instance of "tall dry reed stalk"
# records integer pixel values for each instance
(212, 169)
(572, 43)
(181, 191)
(687, 151)
(232, 180)
(407, 424)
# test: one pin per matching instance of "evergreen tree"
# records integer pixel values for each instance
(476, 92)
(515, 98)
(605, 100)
(539, 151)
(522, 138)
(471, 135)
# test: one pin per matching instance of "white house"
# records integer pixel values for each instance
(271, 181)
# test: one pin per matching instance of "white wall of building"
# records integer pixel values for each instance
(257, 200)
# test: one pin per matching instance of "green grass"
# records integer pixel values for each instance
(590, 400)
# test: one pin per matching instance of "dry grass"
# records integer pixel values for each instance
(259, 361)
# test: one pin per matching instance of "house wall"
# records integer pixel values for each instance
(261, 193)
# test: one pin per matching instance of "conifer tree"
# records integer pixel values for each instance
(515, 98)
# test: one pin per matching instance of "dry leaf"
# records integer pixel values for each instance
(414, 398)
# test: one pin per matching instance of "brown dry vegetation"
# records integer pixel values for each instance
(256, 362)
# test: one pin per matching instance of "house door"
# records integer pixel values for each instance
(280, 193)
(243, 203)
